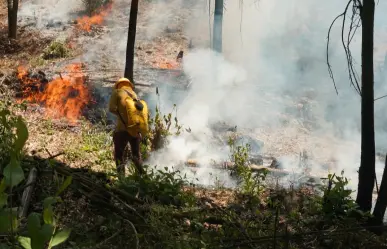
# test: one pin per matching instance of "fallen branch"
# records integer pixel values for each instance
(27, 193)
(101, 191)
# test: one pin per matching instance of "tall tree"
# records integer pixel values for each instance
(129, 65)
(13, 6)
(381, 202)
(367, 161)
(218, 25)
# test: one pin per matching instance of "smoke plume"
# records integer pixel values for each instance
(271, 81)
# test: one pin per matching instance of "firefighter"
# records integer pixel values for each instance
(121, 137)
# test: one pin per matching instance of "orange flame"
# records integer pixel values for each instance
(165, 64)
(62, 97)
(86, 22)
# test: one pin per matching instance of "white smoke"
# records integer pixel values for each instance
(43, 13)
(274, 54)
(260, 76)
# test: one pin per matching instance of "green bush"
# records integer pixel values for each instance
(8, 122)
(160, 186)
(56, 50)
(250, 183)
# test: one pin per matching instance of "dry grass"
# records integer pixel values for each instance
(83, 145)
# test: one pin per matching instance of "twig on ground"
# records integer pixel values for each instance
(110, 238)
(135, 233)
(27, 194)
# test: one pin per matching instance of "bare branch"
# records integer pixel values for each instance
(353, 76)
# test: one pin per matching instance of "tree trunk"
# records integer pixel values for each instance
(129, 65)
(367, 161)
(13, 6)
(218, 24)
(381, 202)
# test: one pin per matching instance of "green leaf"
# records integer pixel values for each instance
(60, 237)
(42, 237)
(3, 199)
(13, 172)
(33, 225)
(48, 215)
(22, 135)
(47, 232)
(37, 242)
(65, 184)
(25, 242)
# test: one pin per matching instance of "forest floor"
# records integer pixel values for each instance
(162, 209)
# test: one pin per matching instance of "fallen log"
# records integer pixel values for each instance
(27, 193)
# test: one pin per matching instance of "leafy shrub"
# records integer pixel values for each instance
(337, 201)
(160, 128)
(55, 50)
(8, 123)
(157, 185)
(250, 183)
(14, 135)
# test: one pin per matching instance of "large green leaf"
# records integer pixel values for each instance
(46, 232)
(65, 184)
(37, 242)
(33, 225)
(60, 237)
(22, 135)
(48, 215)
(25, 242)
(13, 172)
(42, 237)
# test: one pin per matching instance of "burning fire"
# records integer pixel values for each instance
(64, 96)
(167, 65)
(86, 22)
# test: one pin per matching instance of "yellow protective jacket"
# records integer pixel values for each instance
(117, 105)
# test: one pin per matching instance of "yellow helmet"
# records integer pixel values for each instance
(126, 82)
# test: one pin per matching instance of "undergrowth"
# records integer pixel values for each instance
(40, 230)
(174, 213)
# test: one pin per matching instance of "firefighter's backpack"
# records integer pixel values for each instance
(137, 115)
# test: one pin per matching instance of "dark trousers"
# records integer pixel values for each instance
(121, 140)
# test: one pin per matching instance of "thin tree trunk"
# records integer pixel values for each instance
(381, 202)
(218, 24)
(129, 65)
(13, 6)
(367, 161)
